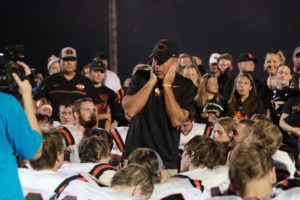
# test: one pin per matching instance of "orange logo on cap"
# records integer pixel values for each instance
(161, 47)
(80, 87)
(250, 55)
(69, 51)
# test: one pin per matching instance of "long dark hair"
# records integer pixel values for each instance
(251, 103)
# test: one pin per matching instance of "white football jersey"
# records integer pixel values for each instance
(102, 171)
(176, 188)
(215, 181)
(119, 137)
(86, 191)
(72, 136)
(291, 194)
(284, 165)
(44, 184)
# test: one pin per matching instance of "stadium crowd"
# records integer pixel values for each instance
(174, 130)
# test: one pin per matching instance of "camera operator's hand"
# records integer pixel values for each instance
(25, 67)
(25, 91)
(24, 86)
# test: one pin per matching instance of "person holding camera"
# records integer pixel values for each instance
(19, 135)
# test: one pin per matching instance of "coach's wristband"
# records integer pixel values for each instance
(167, 85)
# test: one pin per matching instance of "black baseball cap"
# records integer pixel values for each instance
(97, 65)
(100, 55)
(247, 57)
(163, 50)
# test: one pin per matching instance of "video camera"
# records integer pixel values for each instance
(8, 65)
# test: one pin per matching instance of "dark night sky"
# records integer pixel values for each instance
(199, 27)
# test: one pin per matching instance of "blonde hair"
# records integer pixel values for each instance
(228, 124)
(225, 56)
(248, 161)
(184, 55)
(134, 175)
(278, 53)
(201, 96)
(268, 134)
(191, 66)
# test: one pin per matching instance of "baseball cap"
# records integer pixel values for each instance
(97, 65)
(163, 50)
(213, 59)
(68, 52)
(296, 52)
(247, 57)
(100, 55)
(51, 61)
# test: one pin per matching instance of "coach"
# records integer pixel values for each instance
(157, 102)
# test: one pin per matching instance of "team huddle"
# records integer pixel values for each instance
(173, 131)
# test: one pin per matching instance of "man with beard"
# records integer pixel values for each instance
(68, 84)
(246, 64)
(85, 115)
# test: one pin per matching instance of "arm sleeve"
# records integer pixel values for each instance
(22, 138)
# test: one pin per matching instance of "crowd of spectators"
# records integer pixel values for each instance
(174, 130)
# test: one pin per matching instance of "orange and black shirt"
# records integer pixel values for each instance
(241, 113)
(57, 89)
(107, 97)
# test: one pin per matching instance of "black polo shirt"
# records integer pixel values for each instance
(57, 89)
(151, 127)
